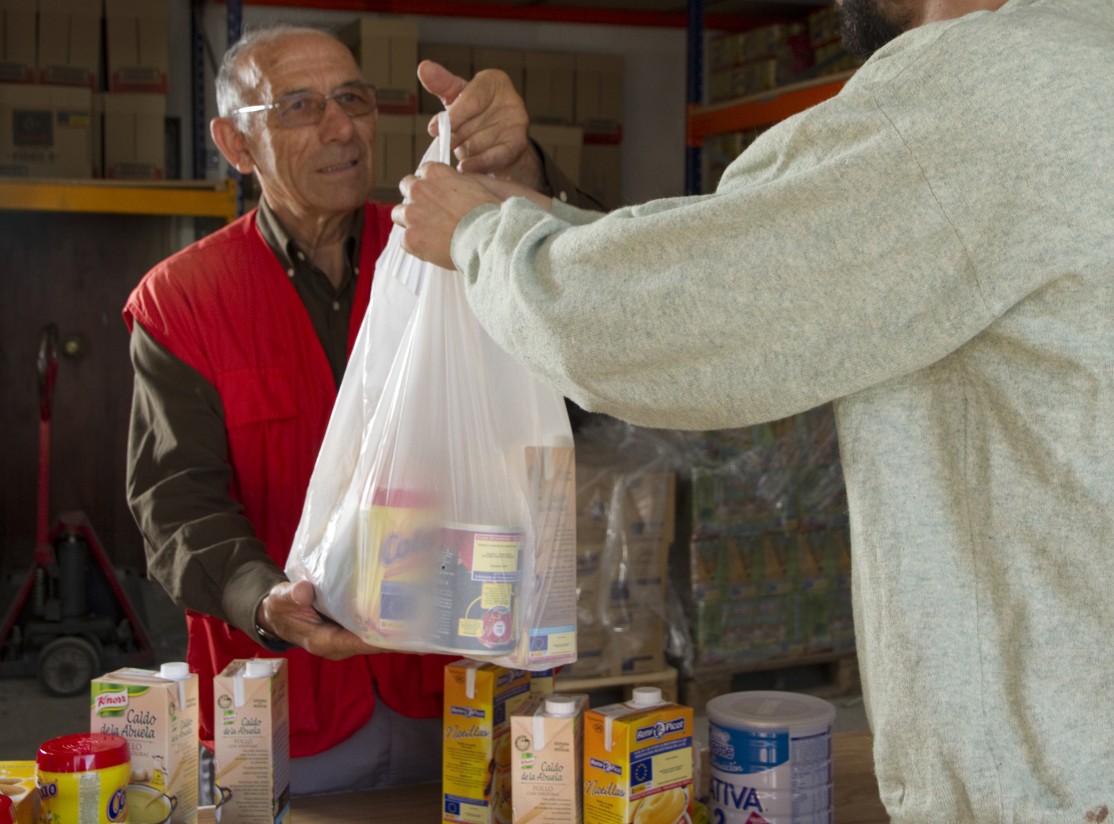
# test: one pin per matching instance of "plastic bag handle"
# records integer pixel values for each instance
(444, 133)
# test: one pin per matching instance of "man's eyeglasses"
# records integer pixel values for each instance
(308, 108)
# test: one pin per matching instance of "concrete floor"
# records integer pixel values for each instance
(29, 716)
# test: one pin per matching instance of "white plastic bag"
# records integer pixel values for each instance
(440, 516)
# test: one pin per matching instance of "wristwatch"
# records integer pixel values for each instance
(270, 640)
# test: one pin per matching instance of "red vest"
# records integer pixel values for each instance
(225, 306)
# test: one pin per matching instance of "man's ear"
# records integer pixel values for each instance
(232, 144)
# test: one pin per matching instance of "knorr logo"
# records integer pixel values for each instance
(111, 703)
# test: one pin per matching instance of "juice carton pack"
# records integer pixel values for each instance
(638, 763)
(475, 776)
(547, 755)
(19, 800)
(251, 739)
(157, 712)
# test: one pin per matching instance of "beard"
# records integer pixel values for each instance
(866, 27)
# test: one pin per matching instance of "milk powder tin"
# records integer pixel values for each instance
(771, 758)
(83, 778)
(477, 591)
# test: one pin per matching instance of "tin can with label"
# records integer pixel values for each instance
(396, 558)
(479, 572)
(83, 778)
(771, 758)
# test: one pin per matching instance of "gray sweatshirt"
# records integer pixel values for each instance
(932, 250)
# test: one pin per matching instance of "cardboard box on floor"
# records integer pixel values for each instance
(45, 131)
(70, 42)
(136, 42)
(17, 41)
(386, 49)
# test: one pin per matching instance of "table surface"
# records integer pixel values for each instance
(856, 795)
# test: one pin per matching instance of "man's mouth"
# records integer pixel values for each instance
(339, 167)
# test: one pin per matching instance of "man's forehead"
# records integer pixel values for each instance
(304, 61)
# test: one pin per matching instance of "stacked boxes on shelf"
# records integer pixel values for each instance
(133, 107)
(757, 60)
(63, 118)
(625, 526)
(770, 554)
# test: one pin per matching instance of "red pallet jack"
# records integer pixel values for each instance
(71, 619)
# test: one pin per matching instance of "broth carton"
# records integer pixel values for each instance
(475, 774)
(546, 759)
(638, 761)
(157, 712)
(252, 741)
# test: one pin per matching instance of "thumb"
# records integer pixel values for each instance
(440, 81)
(302, 593)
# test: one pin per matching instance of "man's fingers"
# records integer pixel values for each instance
(302, 593)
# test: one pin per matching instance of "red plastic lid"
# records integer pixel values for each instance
(82, 752)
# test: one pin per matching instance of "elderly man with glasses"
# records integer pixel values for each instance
(239, 343)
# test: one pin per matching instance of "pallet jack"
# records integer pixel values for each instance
(71, 619)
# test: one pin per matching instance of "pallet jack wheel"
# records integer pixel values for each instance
(66, 665)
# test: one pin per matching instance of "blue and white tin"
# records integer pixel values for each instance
(771, 758)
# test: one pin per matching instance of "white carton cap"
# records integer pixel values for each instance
(175, 670)
(258, 668)
(563, 706)
(645, 696)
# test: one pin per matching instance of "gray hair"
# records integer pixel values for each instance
(234, 79)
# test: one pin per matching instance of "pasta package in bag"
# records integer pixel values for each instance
(440, 516)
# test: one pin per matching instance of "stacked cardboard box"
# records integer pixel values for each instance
(386, 49)
(45, 131)
(17, 41)
(769, 573)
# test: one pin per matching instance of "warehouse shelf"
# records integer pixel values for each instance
(191, 198)
(763, 109)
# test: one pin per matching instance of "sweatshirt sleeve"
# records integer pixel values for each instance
(822, 265)
(200, 547)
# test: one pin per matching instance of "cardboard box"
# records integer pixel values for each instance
(134, 135)
(454, 57)
(70, 42)
(475, 774)
(550, 87)
(45, 131)
(17, 41)
(599, 95)
(563, 144)
(386, 49)
(394, 154)
(601, 173)
(511, 61)
(159, 718)
(252, 740)
(136, 39)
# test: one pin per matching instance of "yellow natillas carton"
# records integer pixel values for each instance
(638, 761)
(475, 774)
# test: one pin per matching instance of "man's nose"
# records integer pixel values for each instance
(335, 122)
